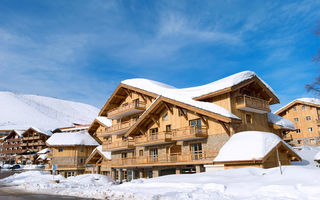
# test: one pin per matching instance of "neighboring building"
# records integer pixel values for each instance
(305, 114)
(42, 156)
(158, 129)
(74, 128)
(98, 128)
(99, 162)
(69, 151)
(34, 140)
(12, 146)
(4, 133)
(255, 149)
(2, 155)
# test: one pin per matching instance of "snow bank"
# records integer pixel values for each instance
(280, 121)
(307, 153)
(248, 145)
(22, 111)
(251, 183)
(317, 156)
(73, 138)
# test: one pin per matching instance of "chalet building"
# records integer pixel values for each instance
(4, 133)
(69, 152)
(34, 140)
(42, 156)
(99, 162)
(244, 149)
(12, 146)
(158, 129)
(305, 114)
(98, 128)
(2, 155)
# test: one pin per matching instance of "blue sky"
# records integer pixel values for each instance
(81, 50)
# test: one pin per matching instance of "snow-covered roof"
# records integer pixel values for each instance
(249, 145)
(104, 120)
(44, 151)
(192, 92)
(186, 95)
(74, 138)
(42, 156)
(46, 132)
(280, 121)
(317, 156)
(306, 100)
(106, 154)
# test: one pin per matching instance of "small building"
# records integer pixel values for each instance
(74, 128)
(255, 149)
(12, 146)
(42, 156)
(99, 162)
(70, 151)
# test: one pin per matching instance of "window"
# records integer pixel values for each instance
(295, 108)
(81, 160)
(140, 152)
(154, 154)
(310, 129)
(298, 131)
(154, 133)
(248, 119)
(124, 155)
(299, 141)
(184, 112)
(303, 107)
(308, 118)
(196, 150)
(60, 150)
(195, 122)
(81, 149)
(165, 117)
(296, 119)
(168, 128)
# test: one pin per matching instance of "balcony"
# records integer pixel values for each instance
(154, 139)
(127, 109)
(252, 104)
(118, 145)
(23, 144)
(189, 133)
(187, 158)
(120, 128)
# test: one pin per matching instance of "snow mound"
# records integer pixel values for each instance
(20, 111)
(317, 156)
(280, 121)
(248, 145)
(307, 153)
(73, 138)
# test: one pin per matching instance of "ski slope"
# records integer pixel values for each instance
(19, 111)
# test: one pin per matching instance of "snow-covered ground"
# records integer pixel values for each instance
(20, 111)
(297, 182)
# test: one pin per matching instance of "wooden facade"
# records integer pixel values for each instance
(11, 146)
(153, 135)
(34, 140)
(69, 159)
(99, 162)
(306, 118)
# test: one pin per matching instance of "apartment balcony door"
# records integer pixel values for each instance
(154, 155)
(196, 151)
(195, 126)
(154, 134)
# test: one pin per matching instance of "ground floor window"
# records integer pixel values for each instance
(196, 151)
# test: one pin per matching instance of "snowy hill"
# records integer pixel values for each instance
(19, 111)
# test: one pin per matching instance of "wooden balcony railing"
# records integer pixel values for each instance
(190, 133)
(153, 139)
(118, 145)
(13, 140)
(120, 128)
(252, 104)
(24, 144)
(172, 159)
(127, 109)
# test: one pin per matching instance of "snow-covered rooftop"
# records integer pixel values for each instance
(106, 154)
(192, 92)
(280, 121)
(42, 156)
(44, 151)
(307, 100)
(186, 95)
(46, 132)
(104, 120)
(248, 145)
(74, 138)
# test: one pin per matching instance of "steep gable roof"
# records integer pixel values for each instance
(305, 101)
(44, 132)
(99, 121)
(98, 151)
